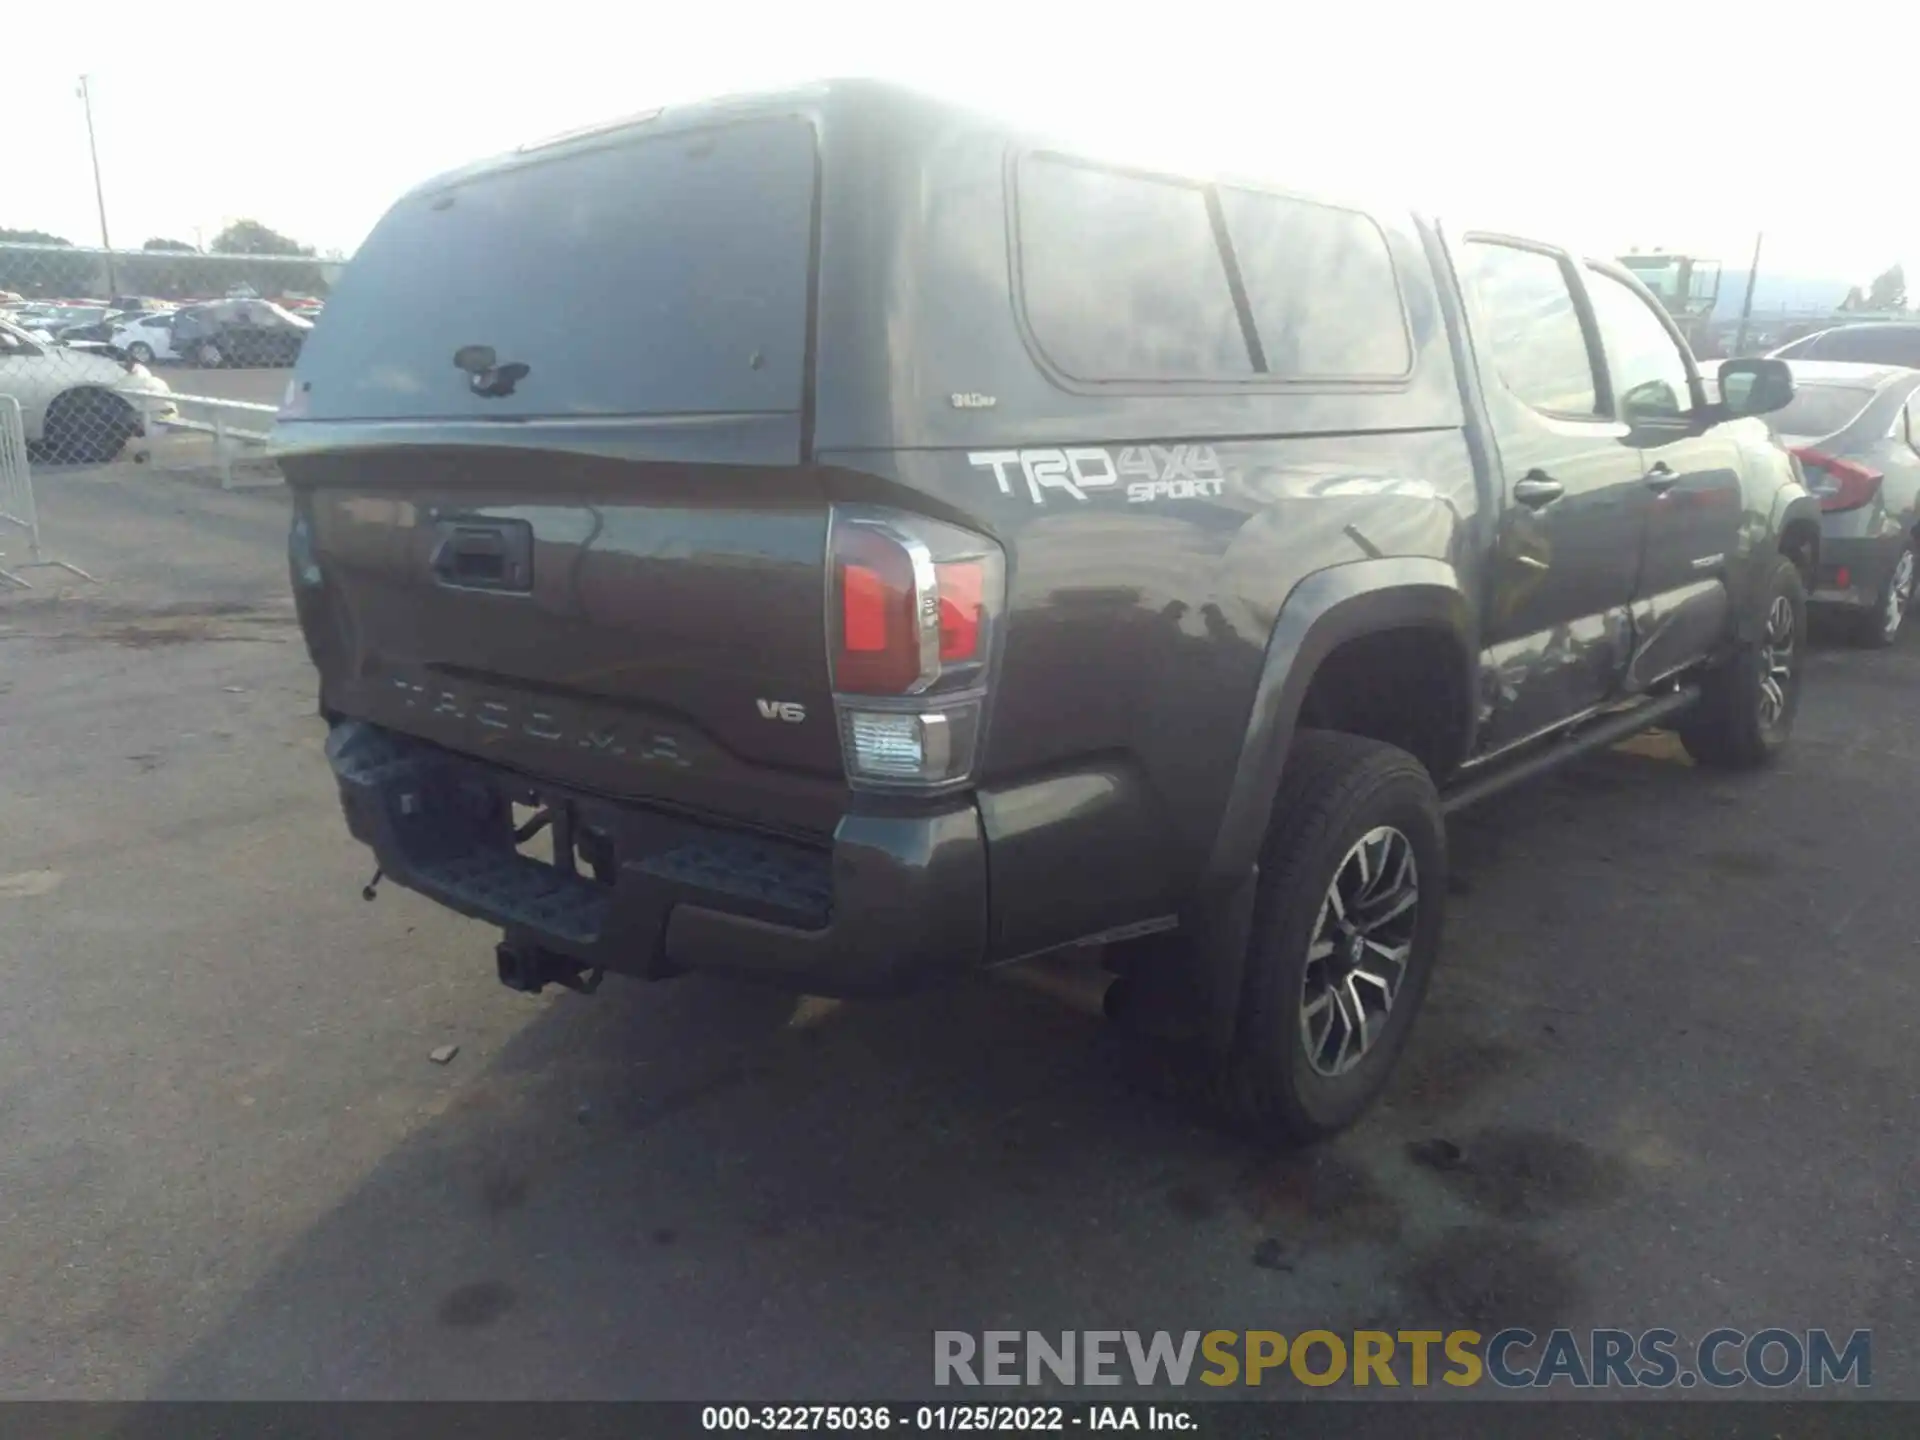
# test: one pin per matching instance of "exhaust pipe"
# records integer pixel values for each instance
(1080, 984)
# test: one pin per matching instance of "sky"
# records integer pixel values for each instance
(1652, 125)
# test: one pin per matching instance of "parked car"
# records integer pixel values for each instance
(239, 332)
(98, 332)
(78, 407)
(146, 338)
(40, 320)
(1856, 431)
(1885, 342)
(890, 547)
(68, 318)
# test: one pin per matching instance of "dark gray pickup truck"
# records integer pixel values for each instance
(832, 538)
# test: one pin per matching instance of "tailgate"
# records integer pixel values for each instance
(640, 629)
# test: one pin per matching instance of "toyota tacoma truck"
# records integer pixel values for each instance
(835, 538)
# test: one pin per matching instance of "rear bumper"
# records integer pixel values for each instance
(895, 902)
(1854, 569)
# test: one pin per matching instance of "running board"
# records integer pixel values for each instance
(1597, 735)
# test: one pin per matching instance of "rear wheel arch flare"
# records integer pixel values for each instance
(1800, 540)
(1323, 612)
(1406, 685)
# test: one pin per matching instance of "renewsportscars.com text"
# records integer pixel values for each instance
(1513, 1358)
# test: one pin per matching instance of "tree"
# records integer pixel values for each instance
(250, 237)
(39, 274)
(1889, 290)
(1855, 300)
(179, 246)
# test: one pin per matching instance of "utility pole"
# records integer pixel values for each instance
(1746, 306)
(99, 192)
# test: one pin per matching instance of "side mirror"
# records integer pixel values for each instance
(1755, 386)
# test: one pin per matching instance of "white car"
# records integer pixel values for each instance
(39, 321)
(79, 407)
(146, 339)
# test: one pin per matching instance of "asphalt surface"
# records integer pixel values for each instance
(1672, 1037)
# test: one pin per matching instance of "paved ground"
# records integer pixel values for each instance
(1673, 1034)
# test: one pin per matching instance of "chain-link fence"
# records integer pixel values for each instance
(107, 352)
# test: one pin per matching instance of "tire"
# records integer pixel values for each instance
(208, 355)
(88, 427)
(140, 353)
(1880, 627)
(1346, 804)
(1742, 720)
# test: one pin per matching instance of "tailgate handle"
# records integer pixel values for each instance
(484, 555)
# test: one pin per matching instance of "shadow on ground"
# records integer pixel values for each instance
(671, 1191)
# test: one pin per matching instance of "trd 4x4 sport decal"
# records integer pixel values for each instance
(1150, 472)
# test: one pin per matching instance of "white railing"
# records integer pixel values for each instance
(16, 499)
(241, 421)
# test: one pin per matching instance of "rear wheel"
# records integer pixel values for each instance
(210, 355)
(1880, 626)
(1346, 928)
(88, 427)
(140, 353)
(1748, 702)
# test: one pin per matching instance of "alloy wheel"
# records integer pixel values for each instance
(1899, 594)
(1777, 661)
(1357, 959)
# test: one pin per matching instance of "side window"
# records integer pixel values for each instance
(1891, 345)
(1123, 278)
(1531, 332)
(1320, 284)
(1649, 372)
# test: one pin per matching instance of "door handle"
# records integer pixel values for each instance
(1535, 488)
(1661, 478)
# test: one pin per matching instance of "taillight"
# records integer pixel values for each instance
(962, 609)
(881, 650)
(913, 608)
(1840, 484)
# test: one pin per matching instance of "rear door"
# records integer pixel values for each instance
(549, 444)
(1568, 548)
(157, 332)
(1693, 518)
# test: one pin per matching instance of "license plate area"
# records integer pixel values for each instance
(591, 878)
(552, 831)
